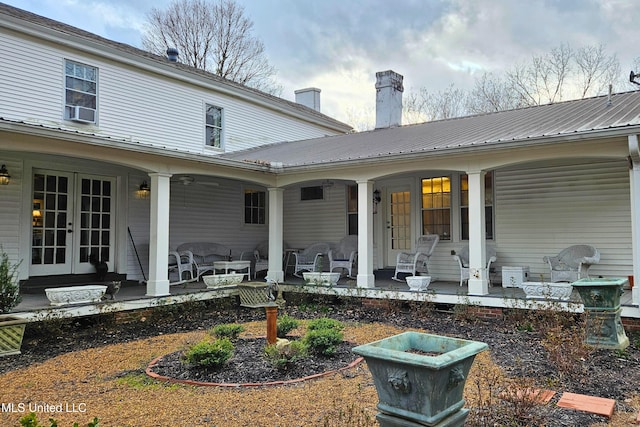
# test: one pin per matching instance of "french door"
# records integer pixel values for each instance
(398, 223)
(72, 219)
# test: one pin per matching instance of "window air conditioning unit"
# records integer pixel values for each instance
(82, 114)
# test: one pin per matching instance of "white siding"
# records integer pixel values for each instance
(135, 104)
(310, 221)
(541, 210)
(11, 209)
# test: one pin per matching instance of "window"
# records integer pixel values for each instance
(254, 207)
(214, 126)
(81, 92)
(488, 206)
(436, 206)
(312, 193)
(352, 209)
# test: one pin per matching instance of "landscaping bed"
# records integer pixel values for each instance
(102, 364)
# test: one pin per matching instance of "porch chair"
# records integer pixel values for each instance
(259, 256)
(462, 256)
(572, 263)
(345, 255)
(306, 259)
(416, 262)
(183, 264)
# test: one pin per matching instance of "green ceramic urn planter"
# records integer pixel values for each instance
(601, 298)
(420, 378)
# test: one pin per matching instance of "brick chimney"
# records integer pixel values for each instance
(388, 99)
(309, 97)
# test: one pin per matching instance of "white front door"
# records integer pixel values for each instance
(72, 218)
(398, 223)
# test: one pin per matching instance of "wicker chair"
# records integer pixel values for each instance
(572, 263)
(462, 256)
(345, 255)
(306, 260)
(416, 262)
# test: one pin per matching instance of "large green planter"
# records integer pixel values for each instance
(11, 334)
(601, 298)
(420, 377)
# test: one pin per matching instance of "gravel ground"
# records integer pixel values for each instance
(98, 367)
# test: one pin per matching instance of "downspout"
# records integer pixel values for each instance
(634, 181)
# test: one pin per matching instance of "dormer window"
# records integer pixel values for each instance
(214, 126)
(81, 92)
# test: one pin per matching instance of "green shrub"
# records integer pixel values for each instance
(31, 420)
(285, 324)
(323, 341)
(285, 352)
(229, 330)
(325, 323)
(210, 354)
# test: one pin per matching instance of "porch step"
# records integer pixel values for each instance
(37, 284)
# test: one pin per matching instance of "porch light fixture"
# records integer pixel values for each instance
(143, 191)
(376, 200)
(4, 175)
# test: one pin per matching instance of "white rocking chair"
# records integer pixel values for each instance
(345, 255)
(181, 263)
(572, 263)
(416, 262)
(306, 260)
(462, 256)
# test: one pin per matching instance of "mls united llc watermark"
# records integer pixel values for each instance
(42, 407)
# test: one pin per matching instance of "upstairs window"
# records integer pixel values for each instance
(214, 126)
(255, 207)
(81, 92)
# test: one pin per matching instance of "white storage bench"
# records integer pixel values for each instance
(512, 277)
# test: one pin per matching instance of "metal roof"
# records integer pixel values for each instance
(529, 125)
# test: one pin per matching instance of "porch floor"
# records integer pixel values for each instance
(132, 291)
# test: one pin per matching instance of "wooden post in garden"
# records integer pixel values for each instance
(272, 317)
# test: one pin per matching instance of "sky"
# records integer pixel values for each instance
(339, 45)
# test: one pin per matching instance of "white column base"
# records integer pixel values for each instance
(278, 276)
(365, 280)
(158, 288)
(478, 286)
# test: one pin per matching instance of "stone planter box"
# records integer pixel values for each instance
(11, 334)
(214, 281)
(324, 278)
(82, 294)
(421, 377)
(418, 283)
(547, 290)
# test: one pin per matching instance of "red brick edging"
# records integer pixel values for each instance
(149, 372)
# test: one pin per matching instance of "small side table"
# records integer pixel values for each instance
(233, 266)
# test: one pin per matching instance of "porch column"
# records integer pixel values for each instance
(158, 283)
(634, 178)
(365, 278)
(478, 276)
(276, 234)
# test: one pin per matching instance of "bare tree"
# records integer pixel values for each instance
(563, 73)
(212, 35)
(491, 93)
(427, 106)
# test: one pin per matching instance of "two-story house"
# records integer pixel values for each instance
(87, 126)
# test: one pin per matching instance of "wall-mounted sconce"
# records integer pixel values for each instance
(4, 175)
(376, 200)
(144, 191)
